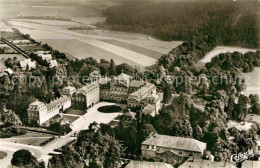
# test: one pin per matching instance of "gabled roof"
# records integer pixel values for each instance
(144, 164)
(149, 109)
(136, 83)
(198, 163)
(9, 71)
(129, 114)
(57, 102)
(174, 142)
(123, 76)
(142, 91)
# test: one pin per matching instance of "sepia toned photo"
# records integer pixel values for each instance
(129, 83)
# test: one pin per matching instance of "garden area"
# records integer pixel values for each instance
(110, 109)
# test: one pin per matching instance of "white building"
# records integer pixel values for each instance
(69, 90)
(243, 126)
(53, 63)
(87, 96)
(9, 71)
(42, 52)
(17, 42)
(27, 63)
(47, 57)
(41, 112)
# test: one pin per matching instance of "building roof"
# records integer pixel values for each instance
(57, 102)
(53, 63)
(142, 91)
(144, 164)
(9, 71)
(70, 88)
(253, 118)
(21, 41)
(251, 164)
(85, 89)
(136, 83)
(149, 109)
(198, 163)
(174, 142)
(42, 52)
(36, 105)
(129, 114)
(27, 62)
(123, 76)
(243, 126)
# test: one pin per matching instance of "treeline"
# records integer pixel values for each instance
(231, 23)
(228, 61)
(188, 53)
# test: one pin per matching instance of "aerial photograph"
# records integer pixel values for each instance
(129, 83)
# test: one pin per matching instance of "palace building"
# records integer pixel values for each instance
(86, 96)
(41, 112)
(124, 89)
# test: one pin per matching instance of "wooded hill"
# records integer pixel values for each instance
(232, 23)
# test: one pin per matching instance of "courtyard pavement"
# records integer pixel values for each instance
(93, 115)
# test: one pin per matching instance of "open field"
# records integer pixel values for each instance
(221, 49)
(135, 49)
(6, 56)
(141, 50)
(3, 57)
(83, 50)
(49, 22)
(253, 83)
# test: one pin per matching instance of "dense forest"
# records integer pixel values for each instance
(232, 23)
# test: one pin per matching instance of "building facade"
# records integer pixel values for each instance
(86, 96)
(41, 112)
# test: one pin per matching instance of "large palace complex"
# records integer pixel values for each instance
(137, 94)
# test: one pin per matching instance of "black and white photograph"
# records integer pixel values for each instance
(129, 83)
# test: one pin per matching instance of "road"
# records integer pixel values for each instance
(82, 123)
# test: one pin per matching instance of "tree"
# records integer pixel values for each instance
(99, 149)
(183, 129)
(167, 95)
(125, 68)
(241, 107)
(254, 99)
(198, 133)
(25, 158)
(112, 68)
(230, 108)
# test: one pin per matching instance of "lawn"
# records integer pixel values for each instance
(110, 109)
(6, 56)
(36, 141)
(76, 112)
(69, 119)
